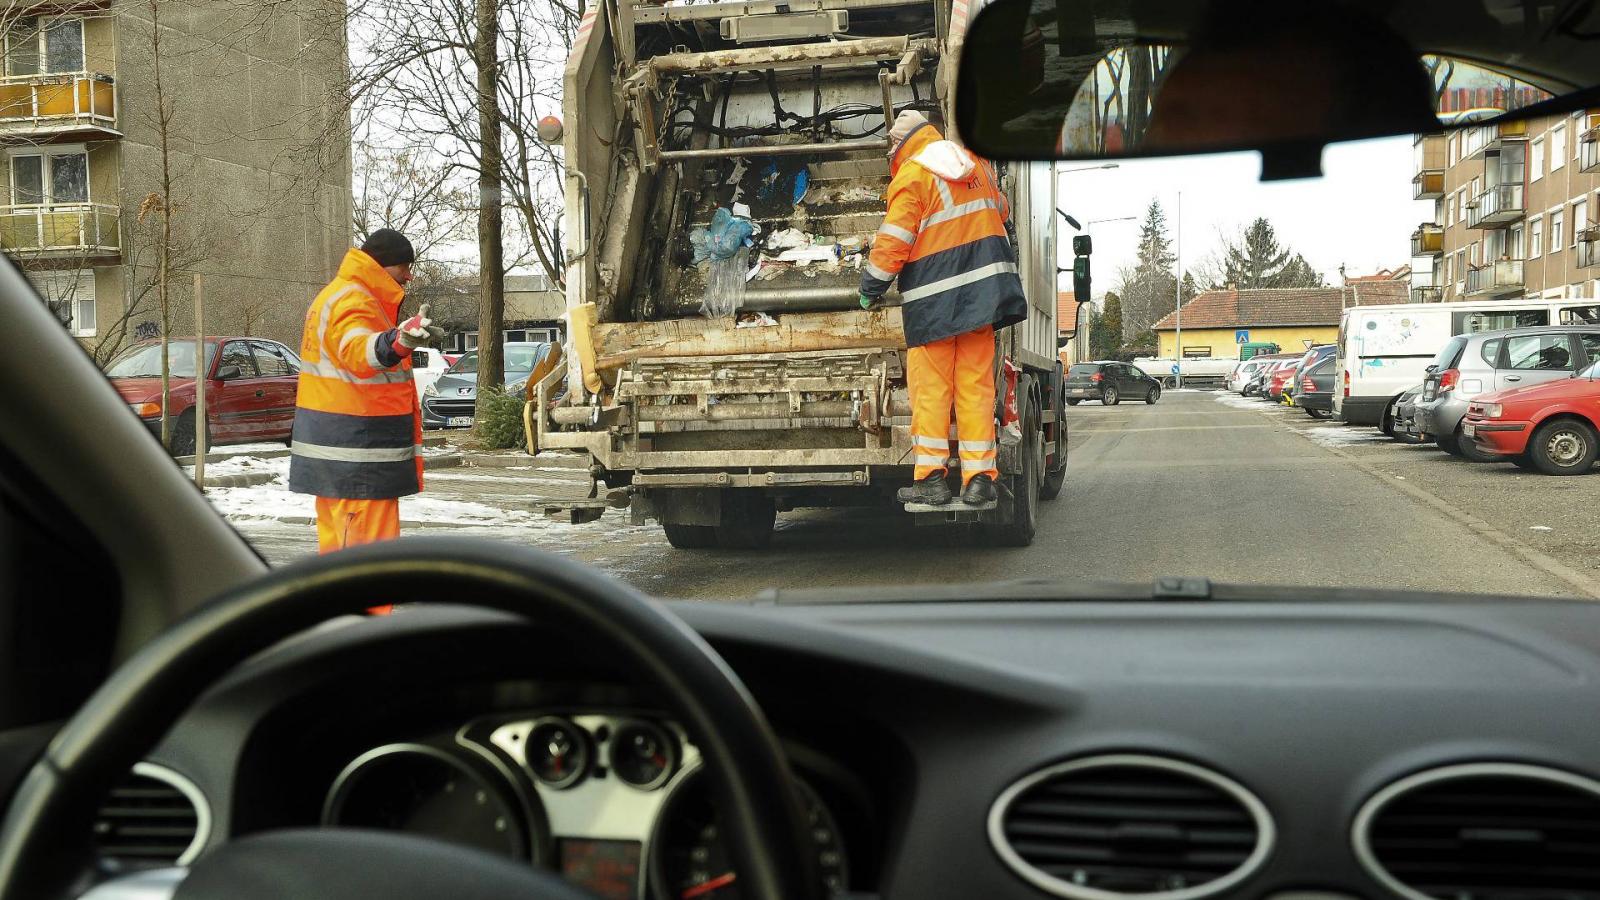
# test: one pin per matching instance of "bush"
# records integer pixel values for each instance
(499, 424)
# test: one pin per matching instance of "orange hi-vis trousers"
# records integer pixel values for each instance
(956, 372)
(347, 523)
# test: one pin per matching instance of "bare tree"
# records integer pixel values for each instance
(413, 191)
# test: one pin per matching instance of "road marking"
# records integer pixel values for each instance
(1077, 431)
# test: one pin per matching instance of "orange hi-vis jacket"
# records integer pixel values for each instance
(945, 238)
(357, 425)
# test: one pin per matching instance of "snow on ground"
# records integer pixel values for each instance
(275, 501)
(240, 465)
(1344, 436)
(1229, 398)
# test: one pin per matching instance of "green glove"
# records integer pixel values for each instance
(866, 302)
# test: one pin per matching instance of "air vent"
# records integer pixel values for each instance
(1130, 825)
(153, 818)
(1488, 831)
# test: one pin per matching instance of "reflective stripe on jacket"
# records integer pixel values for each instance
(945, 238)
(357, 425)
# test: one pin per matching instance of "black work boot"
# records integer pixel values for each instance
(980, 491)
(933, 490)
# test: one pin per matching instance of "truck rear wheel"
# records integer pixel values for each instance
(1025, 487)
(690, 537)
(747, 520)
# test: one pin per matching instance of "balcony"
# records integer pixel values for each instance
(1431, 155)
(1427, 294)
(76, 231)
(1589, 247)
(1497, 279)
(1591, 150)
(1496, 207)
(58, 107)
(1427, 240)
(1485, 138)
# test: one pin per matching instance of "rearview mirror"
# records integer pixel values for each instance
(227, 372)
(1130, 80)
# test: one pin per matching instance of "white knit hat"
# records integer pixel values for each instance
(904, 124)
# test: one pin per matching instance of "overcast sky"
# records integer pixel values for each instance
(1359, 214)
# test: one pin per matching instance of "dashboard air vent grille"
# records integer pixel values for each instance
(1485, 831)
(1131, 825)
(152, 818)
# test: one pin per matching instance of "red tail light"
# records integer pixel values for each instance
(1307, 385)
(1097, 377)
(1347, 382)
(1448, 379)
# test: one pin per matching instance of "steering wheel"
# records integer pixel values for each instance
(45, 841)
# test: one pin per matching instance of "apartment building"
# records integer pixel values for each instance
(258, 163)
(1514, 207)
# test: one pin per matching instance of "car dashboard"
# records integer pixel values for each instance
(1001, 749)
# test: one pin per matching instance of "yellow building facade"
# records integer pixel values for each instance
(1223, 342)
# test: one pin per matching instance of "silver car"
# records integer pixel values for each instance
(1473, 364)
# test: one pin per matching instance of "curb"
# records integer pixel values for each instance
(443, 461)
(1585, 584)
(243, 479)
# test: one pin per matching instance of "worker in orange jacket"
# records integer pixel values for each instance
(945, 239)
(357, 425)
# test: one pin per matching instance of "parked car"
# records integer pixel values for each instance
(1243, 373)
(1269, 365)
(1280, 378)
(452, 400)
(1109, 382)
(1472, 364)
(427, 365)
(250, 389)
(1314, 394)
(1401, 418)
(1310, 358)
(1549, 427)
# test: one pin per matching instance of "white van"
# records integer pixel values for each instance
(1383, 351)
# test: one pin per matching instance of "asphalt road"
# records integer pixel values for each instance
(1198, 485)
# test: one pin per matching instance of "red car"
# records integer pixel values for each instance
(250, 391)
(1549, 427)
(1279, 379)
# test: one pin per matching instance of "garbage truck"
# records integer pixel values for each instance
(726, 169)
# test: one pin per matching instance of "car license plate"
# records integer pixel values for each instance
(460, 422)
(1469, 429)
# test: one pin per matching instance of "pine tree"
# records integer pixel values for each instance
(1105, 329)
(1298, 273)
(1190, 287)
(1257, 261)
(1150, 288)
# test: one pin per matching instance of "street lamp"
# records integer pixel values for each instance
(1088, 168)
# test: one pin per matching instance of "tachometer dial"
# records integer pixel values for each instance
(431, 792)
(643, 755)
(559, 753)
(689, 860)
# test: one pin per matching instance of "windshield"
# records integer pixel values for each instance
(712, 412)
(519, 359)
(144, 361)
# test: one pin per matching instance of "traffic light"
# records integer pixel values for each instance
(1082, 285)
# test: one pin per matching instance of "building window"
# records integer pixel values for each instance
(472, 340)
(1557, 220)
(70, 295)
(44, 48)
(1536, 160)
(1580, 219)
(1455, 148)
(42, 179)
(1449, 210)
(1513, 246)
(1536, 238)
(1558, 146)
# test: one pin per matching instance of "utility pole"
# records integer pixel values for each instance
(200, 373)
(1177, 293)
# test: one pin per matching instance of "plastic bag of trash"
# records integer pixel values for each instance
(725, 236)
(725, 285)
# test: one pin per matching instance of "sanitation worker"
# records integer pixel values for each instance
(357, 425)
(945, 239)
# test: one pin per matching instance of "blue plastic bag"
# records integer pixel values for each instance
(726, 234)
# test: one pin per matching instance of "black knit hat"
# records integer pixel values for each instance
(389, 248)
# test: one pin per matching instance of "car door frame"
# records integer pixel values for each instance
(281, 390)
(1525, 377)
(236, 412)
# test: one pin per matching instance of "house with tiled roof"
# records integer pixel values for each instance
(1215, 323)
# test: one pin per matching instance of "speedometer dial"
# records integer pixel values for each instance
(427, 791)
(690, 861)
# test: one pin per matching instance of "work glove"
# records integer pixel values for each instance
(419, 331)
